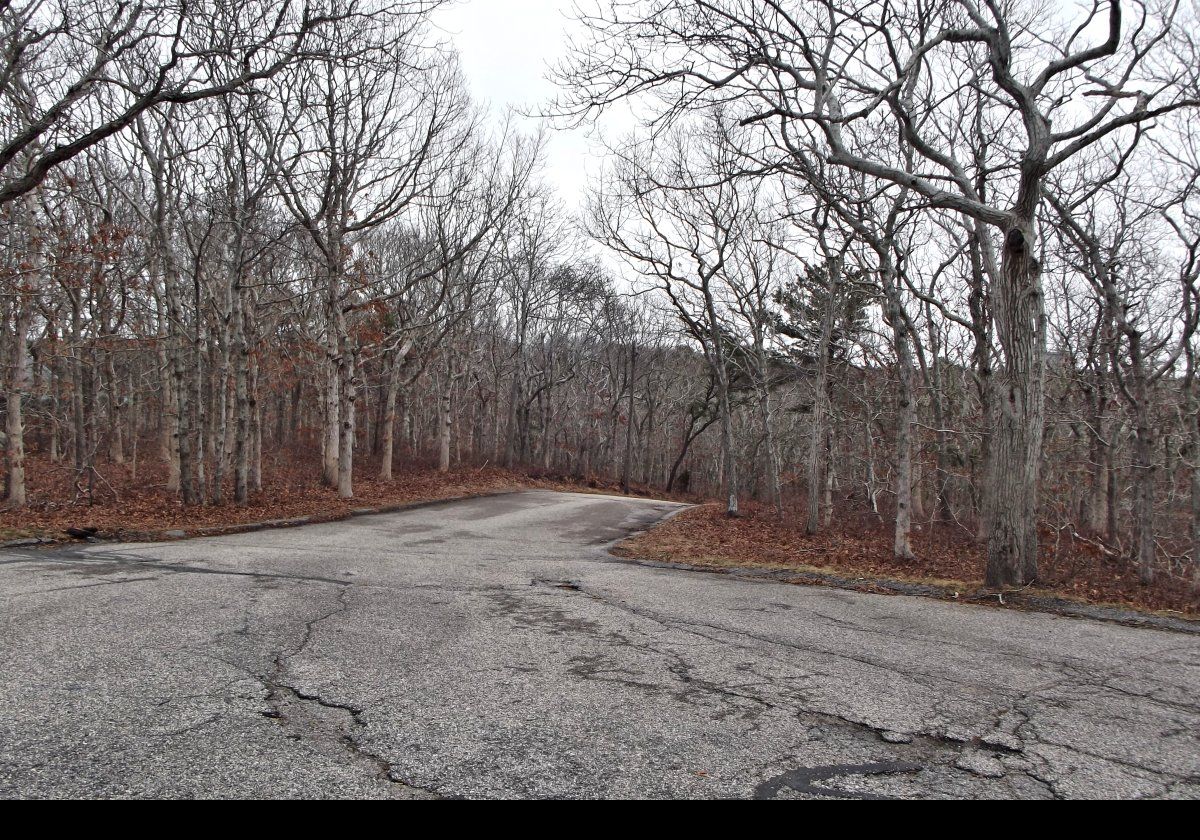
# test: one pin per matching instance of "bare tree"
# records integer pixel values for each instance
(73, 74)
(817, 75)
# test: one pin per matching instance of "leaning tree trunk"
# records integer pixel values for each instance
(1014, 453)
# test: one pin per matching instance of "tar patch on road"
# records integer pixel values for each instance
(804, 779)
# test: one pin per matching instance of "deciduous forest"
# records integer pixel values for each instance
(924, 274)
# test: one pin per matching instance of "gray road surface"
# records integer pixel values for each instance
(491, 648)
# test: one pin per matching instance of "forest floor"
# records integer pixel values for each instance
(856, 552)
(128, 504)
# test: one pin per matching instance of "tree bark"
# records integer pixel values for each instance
(349, 386)
(1019, 415)
(14, 420)
(820, 408)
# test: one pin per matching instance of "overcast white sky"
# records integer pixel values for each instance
(505, 47)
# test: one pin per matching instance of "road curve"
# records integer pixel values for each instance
(492, 648)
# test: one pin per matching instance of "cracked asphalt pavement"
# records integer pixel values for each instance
(492, 648)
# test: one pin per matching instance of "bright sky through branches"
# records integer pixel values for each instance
(506, 46)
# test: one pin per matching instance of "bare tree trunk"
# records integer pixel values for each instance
(78, 411)
(331, 433)
(242, 434)
(1194, 469)
(1144, 465)
(387, 448)
(256, 419)
(513, 431)
(445, 419)
(181, 437)
(1019, 411)
(1144, 468)
(773, 468)
(729, 476)
(116, 443)
(14, 420)
(223, 432)
(906, 415)
(200, 417)
(171, 420)
(820, 408)
(349, 384)
(830, 478)
(1100, 464)
(627, 464)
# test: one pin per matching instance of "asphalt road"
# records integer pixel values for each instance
(491, 648)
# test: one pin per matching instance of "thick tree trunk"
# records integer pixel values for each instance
(1019, 411)
(906, 416)
(181, 428)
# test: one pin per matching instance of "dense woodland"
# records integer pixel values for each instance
(936, 262)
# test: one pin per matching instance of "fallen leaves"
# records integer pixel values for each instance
(861, 546)
(130, 504)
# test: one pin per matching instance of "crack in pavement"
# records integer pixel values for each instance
(1072, 673)
(292, 708)
(80, 562)
(640, 682)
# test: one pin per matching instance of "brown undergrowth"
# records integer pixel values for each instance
(860, 547)
(125, 502)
